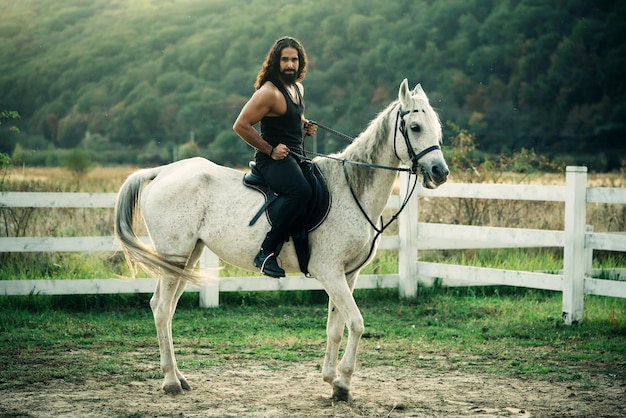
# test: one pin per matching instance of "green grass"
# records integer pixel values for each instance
(63, 266)
(496, 330)
(520, 259)
(499, 330)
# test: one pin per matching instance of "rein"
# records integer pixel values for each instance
(379, 231)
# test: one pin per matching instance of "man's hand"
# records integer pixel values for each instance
(310, 128)
(279, 152)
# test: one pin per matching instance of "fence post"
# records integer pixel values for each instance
(210, 291)
(574, 254)
(407, 236)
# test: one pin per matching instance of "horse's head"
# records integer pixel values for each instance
(418, 124)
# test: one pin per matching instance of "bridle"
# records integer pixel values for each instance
(405, 134)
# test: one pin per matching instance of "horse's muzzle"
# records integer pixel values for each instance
(435, 175)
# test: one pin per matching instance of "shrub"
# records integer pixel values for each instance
(469, 165)
(188, 150)
(78, 161)
(18, 154)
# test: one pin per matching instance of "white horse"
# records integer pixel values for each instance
(195, 203)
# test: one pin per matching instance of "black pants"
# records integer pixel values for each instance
(285, 178)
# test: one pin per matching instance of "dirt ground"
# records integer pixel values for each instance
(296, 390)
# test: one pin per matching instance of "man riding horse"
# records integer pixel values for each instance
(278, 104)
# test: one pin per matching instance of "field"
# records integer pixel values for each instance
(482, 352)
(452, 352)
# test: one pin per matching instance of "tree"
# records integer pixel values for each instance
(78, 162)
(188, 149)
(519, 71)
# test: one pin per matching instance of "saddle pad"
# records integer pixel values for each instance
(320, 200)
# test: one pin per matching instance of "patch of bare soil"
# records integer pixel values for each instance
(296, 390)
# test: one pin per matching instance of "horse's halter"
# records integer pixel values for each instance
(402, 128)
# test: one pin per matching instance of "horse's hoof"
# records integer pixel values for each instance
(183, 381)
(341, 394)
(173, 388)
(184, 384)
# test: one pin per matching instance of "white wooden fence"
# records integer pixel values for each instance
(574, 281)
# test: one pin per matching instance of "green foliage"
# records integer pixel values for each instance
(18, 154)
(518, 74)
(72, 129)
(9, 114)
(229, 149)
(154, 154)
(78, 161)
(61, 266)
(7, 136)
(5, 160)
(5, 163)
(188, 149)
(471, 166)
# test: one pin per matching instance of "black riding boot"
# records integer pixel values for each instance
(266, 260)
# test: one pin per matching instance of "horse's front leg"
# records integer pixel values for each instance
(340, 294)
(163, 304)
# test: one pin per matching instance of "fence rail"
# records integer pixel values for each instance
(577, 240)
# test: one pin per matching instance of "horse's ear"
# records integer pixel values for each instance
(418, 89)
(403, 94)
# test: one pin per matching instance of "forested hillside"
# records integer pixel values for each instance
(132, 80)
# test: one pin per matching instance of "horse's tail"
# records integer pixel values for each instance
(126, 208)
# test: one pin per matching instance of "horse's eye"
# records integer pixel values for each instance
(415, 127)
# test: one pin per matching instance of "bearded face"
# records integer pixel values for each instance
(288, 76)
(289, 64)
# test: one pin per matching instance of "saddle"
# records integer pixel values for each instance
(317, 210)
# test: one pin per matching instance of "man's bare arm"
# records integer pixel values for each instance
(259, 105)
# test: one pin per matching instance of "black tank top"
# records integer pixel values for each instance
(287, 128)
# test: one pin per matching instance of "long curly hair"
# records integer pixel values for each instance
(271, 66)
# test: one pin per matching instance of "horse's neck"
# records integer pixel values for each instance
(371, 185)
(374, 198)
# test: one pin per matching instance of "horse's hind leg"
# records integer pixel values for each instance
(163, 304)
(179, 375)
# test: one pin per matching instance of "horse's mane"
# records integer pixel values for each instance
(366, 148)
